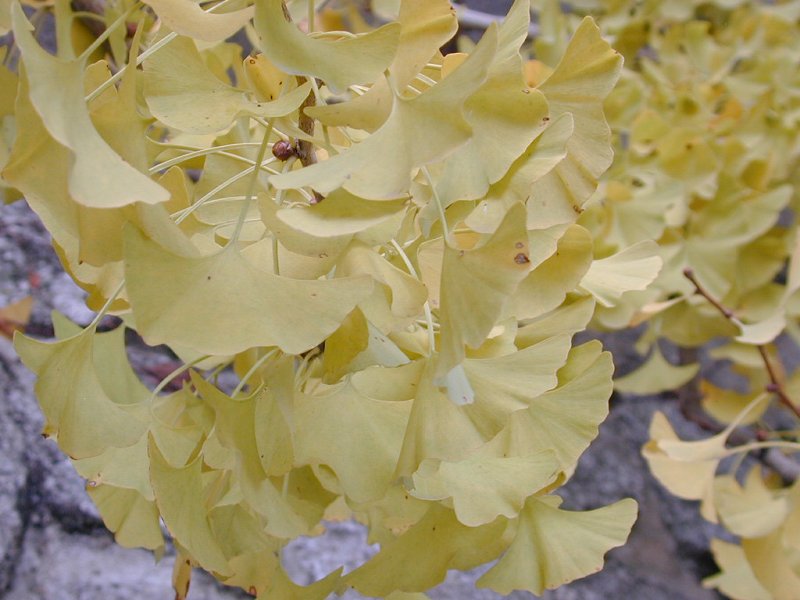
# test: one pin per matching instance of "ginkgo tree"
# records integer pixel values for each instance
(380, 241)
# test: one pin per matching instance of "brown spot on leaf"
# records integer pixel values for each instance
(519, 245)
(522, 259)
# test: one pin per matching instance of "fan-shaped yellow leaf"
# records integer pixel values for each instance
(85, 417)
(283, 588)
(181, 92)
(483, 488)
(505, 384)
(553, 546)
(437, 426)
(772, 565)
(419, 130)
(750, 510)
(339, 63)
(578, 85)
(631, 269)
(736, 579)
(419, 559)
(545, 288)
(181, 501)
(566, 319)
(425, 26)
(188, 18)
(656, 375)
(99, 177)
(210, 303)
(365, 458)
(477, 284)
(132, 518)
(565, 419)
(504, 114)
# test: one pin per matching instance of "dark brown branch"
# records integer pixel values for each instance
(775, 386)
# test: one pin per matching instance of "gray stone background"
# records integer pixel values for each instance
(54, 546)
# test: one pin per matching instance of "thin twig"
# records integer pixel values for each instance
(775, 386)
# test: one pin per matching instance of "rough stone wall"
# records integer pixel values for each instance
(54, 546)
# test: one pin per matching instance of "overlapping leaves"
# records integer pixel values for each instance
(364, 276)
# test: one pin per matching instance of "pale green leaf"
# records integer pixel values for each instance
(631, 269)
(420, 558)
(209, 303)
(188, 18)
(181, 92)
(181, 501)
(736, 579)
(85, 418)
(750, 510)
(553, 546)
(132, 518)
(338, 62)
(365, 457)
(419, 130)
(483, 488)
(477, 284)
(98, 176)
(656, 375)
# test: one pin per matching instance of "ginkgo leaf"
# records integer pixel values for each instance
(691, 479)
(554, 546)
(477, 284)
(364, 459)
(547, 285)
(504, 114)
(227, 295)
(750, 510)
(483, 488)
(446, 543)
(283, 588)
(426, 127)
(339, 63)
(569, 318)
(726, 405)
(98, 177)
(340, 214)
(565, 419)
(736, 579)
(181, 92)
(180, 499)
(772, 564)
(79, 411)
(437, 426)
(425, 26)
(132, 518)
(540, 158)
(407, 295)
(631, 269)
(187, 18)
(762, 332)
(505, 384)
(578, 86)
(368, 111)
(656, 375)
(126, 467)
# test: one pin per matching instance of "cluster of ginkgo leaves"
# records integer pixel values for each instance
(706, 122)
(379, 240)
